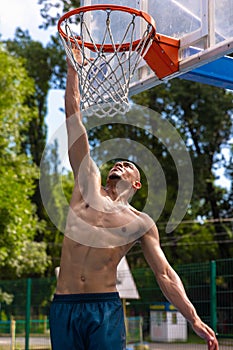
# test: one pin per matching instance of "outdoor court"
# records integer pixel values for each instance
(224, 345)
(43, 343)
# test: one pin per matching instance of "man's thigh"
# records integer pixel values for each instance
(107, 332)
(80, 323)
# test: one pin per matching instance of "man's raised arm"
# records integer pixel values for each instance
(78, 146)
(172, 286)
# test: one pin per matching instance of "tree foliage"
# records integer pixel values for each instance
(37, 64)
(203, 116)
(51, 11)
(56, 189)
(19, 222)
(45, 65)
(41, 64)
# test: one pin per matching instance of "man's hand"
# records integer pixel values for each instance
(205, 332)
(78, 57)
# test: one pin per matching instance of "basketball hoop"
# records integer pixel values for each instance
(107, 62)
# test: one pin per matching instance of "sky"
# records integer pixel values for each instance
(26, 15)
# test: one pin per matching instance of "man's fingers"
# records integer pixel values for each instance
(213, 344)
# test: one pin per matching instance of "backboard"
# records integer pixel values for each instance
(204, 28)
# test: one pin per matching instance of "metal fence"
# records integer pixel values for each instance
(24, 307)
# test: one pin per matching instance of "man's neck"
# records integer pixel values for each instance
(118, 194)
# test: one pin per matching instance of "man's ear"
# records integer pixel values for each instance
(137, 185)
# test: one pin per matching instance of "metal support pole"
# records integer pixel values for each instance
(213, 296)
(27, 318)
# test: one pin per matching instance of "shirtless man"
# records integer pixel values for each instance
(86, 313)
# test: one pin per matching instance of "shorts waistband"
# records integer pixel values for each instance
(86, 297)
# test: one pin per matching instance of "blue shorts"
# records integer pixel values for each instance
(87, 322)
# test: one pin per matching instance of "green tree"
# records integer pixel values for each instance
(51, 11)
(36, 62)
(56, 189)
(229, 174)
(19, 255)
(46, 66)
(42, 65)
(203, 116)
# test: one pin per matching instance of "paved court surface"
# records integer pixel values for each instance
(43, 343)
(37, 343)
(186, 347)
(224, 345)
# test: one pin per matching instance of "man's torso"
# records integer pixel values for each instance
(99, 232)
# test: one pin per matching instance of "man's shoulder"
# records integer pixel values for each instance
(146, 220)
(142, 214)
(147, 226)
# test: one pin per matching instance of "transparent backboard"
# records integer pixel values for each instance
(204, 28)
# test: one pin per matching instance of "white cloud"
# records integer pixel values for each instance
(24, 14)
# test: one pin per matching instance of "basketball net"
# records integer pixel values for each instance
(106, 67)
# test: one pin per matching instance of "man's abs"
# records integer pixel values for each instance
(88, 270)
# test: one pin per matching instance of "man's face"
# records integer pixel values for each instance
(124, 170)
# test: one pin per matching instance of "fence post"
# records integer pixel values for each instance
(45, 324)
(213, 296)
(12, 325)
(28, 307)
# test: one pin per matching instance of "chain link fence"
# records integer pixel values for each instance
(24, 308)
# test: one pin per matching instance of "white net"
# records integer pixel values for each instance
(108, 62)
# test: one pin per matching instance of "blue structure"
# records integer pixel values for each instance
(218, 73)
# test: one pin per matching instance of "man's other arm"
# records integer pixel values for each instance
(172, 287)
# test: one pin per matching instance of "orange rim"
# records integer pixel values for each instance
(107, 47)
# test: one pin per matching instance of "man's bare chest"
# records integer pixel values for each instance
(106, 214)
(103, 223)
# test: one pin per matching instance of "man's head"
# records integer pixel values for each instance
(126, 172)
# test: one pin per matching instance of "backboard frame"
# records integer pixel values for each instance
(202, 45)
